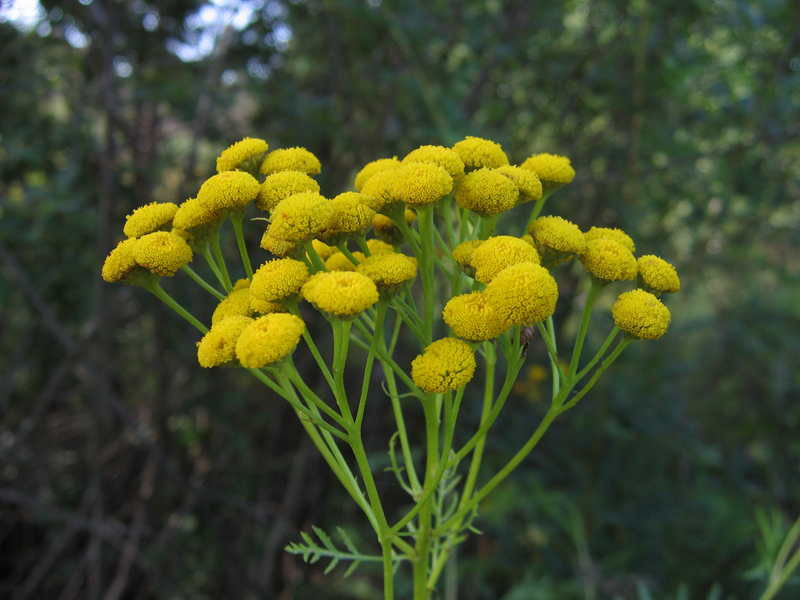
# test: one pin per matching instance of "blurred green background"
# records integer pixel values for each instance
(128, 472)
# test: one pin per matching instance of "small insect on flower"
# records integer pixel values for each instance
(525, 336)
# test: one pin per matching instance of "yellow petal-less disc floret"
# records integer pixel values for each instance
(499, 252)
(380, 187)
(528, 183)
(439, 155)
(462, 253)
(478, 153)
(300, 217)
(388, 271)
(277, 247)
(609, 260)
(609, 233)
(473, 317)
(240, 152)
(162, 252)
(275, 281)
(343, 294)
(379, 247)
(149, 218)
(268, 339)
(120, 261)
(281, 185)
(487, 192)
(444, 365)
(641, 315)
(657, 276)
(553, 170)
(372, 168)
(228, 191)
(352, 216)
(557, 239)
(237, 302)
(218, 346)
(291, 159)
(419, 184)
(523, 294)
(196, 218)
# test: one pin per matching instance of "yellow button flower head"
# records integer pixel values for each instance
(120, 265)
(300, 217)
(609, 260)
(556, 239)
(196, 218)
(472, 317)
(553, 171)
(229, 191)
(657, 276)
(462, 254)
(379, 247)
(499, 252)
(275, 281)
(419, 184)
(162, 252)
(523, 294)
(149, 218)
(218, 346)
(370, 169)
(487, 192)
(352, 216)
(246, 150)
(439, 155)
(379, 187)
(641, 315)
(291, 159)
(387, 231)
(276, 246)
(478, 153)
(528, 183)
(281, 185)
(445, 365)
(235, 303)
(340, 262)
(389, 272)
(268, 339)
(241, 284)
(609, 233)
(343, 294)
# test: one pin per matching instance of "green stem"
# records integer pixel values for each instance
(558, 370)
(599, 354)
(226, 279)
(203, 283)
(316, 259)
(537, 208)
(159, 292)
(591, 297)
(343, 248)
(558, 403)
(427, 251)
(236, 220)
(341, 344)
(213, 265)
(377, 338)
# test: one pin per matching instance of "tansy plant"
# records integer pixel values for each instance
(427, 266)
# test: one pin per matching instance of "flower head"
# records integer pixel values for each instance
(641, 315)
(388, 271)
(344, 294)
(149, 218)
(553, 171)
(277, 247)
(291, 159)
(609, 233)
(556, 239)
(380, 188)
(162, 252)
(196, 223)
(281, 185)
(370, 169)
(300, 217)
(418, 183)
(276, 280)
(657, 276)
(218, 346)
(473, 317)
(523, 294)
(228, 191)
(609, 260)
(439, 155)
(499, 252)
(339, 261)
(240, 152)
(478, 153)
(462, 254)
(487, 192)
(268, 339)
(444, 365)
(237, 302)
(323, 250)
(120, 265)
(352, 216)
(528, 183)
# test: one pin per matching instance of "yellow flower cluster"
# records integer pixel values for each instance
(373, 168)
(641, 315)
(240, 152)
(608, 233)
(196, 219)
(657, 276)
(343, 294)
(473, 317)
(228, 191)
(609, 260)
(300, 217)
(553, 170)
(237, 302)
(379, 187)
(419, 183)
(352, 216)
(477, 153)
(523, 294)
(444, 365)
(268, 339)
(218, 346)
(120, 261)
(556, 239)
(162, 252)
(388, 271)
(527, 182)
(281, 185)
(291, 159)
(497, 253)
(275, 281)
(487, 192)
(149, 218)
(446, 158)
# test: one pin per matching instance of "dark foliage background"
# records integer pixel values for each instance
(126, 471)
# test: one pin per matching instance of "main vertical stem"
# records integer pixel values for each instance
(425, 526)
